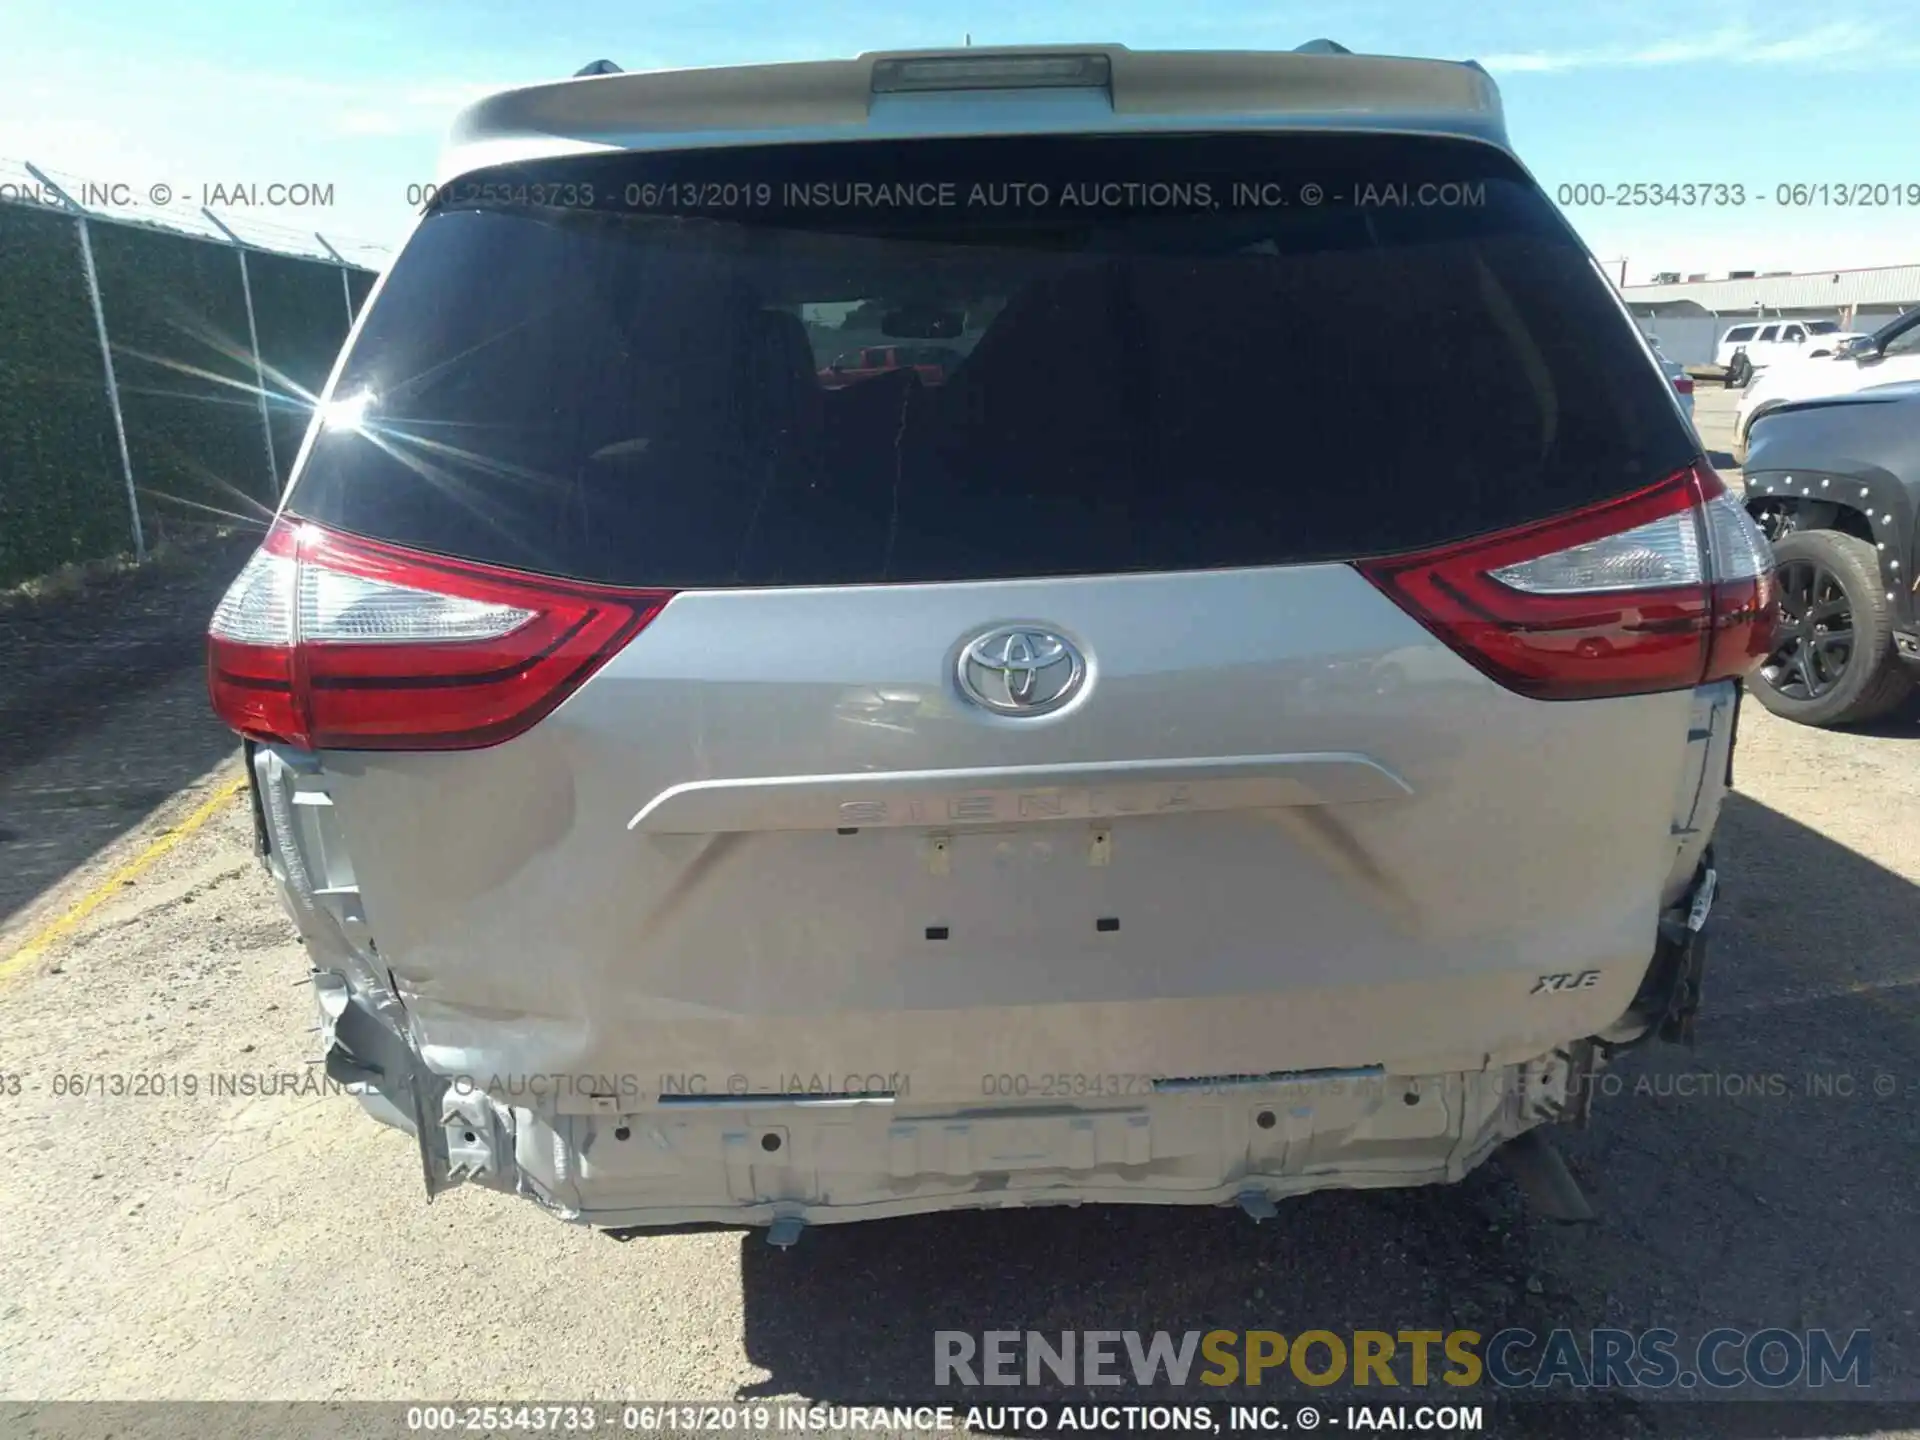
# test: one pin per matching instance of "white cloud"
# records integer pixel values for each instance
(400, 110)
(194, 122)
(1837, 43)
(205, 98)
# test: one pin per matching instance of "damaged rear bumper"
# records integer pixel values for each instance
(1668, 1001)
(791, 1161)
(786, 1161)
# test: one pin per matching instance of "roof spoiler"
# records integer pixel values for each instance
(867, 96)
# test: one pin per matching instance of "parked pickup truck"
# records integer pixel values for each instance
(930, 361)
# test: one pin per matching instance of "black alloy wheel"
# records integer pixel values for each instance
(1833, 660)
(1814, 641)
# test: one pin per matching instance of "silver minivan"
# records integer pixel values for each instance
(1153, 764)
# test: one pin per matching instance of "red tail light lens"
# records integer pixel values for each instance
(1659, 590)
(1746, 602)
(1683, 384)
(328, 641)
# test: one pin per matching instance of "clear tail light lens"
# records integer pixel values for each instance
(1658, 555)
(328, 641)
(1659, 590)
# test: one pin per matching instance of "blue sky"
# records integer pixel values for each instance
(357, 93)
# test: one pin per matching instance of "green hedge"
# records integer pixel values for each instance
(177, 320)
(62, 497)
(177, 317)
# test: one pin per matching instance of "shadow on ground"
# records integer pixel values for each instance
(1764, 1179)
(72, 658)
(103, 713)
(1902, 724)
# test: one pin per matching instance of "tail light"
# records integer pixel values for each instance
(1662, 589)
(328, 641)
(1683, 384)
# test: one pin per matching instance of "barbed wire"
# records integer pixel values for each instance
(162, 205)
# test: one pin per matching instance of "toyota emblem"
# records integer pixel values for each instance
(1020, 670)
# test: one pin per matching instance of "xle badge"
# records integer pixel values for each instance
(1558, 984)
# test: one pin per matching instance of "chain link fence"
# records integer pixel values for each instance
(158, 365)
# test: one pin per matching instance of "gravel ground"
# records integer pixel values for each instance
(249, 1245)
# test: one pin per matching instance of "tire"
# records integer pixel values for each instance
(1830, 585)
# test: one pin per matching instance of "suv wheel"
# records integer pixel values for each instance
(1833, 661)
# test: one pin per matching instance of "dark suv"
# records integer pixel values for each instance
(1835, 483)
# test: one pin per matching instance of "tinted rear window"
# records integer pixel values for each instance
(1055, 356)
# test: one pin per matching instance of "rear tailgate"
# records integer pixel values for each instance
(774, 842)
(1309, 845)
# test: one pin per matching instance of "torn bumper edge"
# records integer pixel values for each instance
(368, 1048)
(1668, 1001)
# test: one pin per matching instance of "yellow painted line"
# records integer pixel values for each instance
(59, 929)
